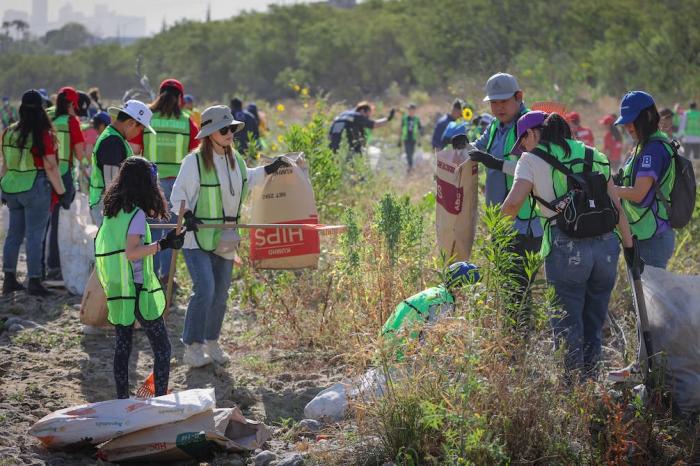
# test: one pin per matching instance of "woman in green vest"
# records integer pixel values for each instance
(646, 176)
(124, 266)
(174, 138)
(582, 270)
(212, 183)
(29, 172)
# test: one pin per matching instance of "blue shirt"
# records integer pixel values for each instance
(496, 191)
(251, 125)
(440, 127)
(652, 162)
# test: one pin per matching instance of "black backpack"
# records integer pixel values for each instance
(586, 210)
(681, 203)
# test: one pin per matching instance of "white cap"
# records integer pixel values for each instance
(136, 110)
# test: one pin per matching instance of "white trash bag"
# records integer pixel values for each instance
(76, 244)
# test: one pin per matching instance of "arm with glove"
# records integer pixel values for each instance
(494, 163)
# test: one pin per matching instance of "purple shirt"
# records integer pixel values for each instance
(138, 227)
(653, 162)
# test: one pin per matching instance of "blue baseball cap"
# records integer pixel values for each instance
(631, 106)
(103, 117)
(453, 130)
(188, 98)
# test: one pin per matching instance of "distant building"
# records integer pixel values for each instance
(15, 15)
(40, 17)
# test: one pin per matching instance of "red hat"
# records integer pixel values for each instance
(573, 116)
(172, 83)
(71, 95)
(607, 120)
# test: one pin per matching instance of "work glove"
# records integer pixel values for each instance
(65, 200)
(391, 114)
(619, 178)
(632, 257)
(276, 165)
(190, 222)
(172, 240)
(486, 159)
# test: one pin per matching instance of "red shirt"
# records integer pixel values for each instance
(585, 135)
(49, 148)
(611, 146)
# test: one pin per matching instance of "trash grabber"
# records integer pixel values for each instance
(646, 349)
(322, 229)
(173, 259)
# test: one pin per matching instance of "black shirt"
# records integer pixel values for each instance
(354, 125)
(111, 152)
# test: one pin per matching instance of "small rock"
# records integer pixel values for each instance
(264, 458)
(228, 460)
(294, 460)
(310, 425)
(277, 385)
(285, 377)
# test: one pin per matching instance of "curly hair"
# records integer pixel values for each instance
(136, 185)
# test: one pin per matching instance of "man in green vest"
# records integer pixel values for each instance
(8, 113)
(112, 148)
(411, 131)
(413, 314)
(689, 132)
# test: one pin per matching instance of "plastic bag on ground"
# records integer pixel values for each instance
(673, 308)
(98, 422)
(193, 438)
(76, 237)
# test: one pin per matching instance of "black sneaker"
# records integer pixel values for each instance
(54, 275)
(10, 284)
(35, 288)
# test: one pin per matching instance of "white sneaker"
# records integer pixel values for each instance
(195, 356)
(217, 354)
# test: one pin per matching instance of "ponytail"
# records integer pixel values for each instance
(555, 130)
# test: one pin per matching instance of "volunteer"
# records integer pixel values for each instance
(427, 307)
(581, 270)
(506, 100)
(100, 122)
(479, 125)
(71, 146)
(8, 113)
(261, 119)
(250, 134)
(441, 125)
(112, 148)
(354, 123)
(411, 132)
(213, 183)
(456, 135)
(648, 167)
(580, 133)
(689, 131)
(666, 122)
(194, 113)
(612, 142)
(124, 266)
(29, 172)
(174, 138)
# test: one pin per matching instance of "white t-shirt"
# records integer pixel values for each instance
(538, 172)
(186, 187)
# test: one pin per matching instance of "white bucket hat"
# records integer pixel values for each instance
(217, 117)
(136, 110)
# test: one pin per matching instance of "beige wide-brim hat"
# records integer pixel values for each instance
(217, 117)
(136, 110)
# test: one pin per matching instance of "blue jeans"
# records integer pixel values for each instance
(29, 214)
(582, 272)
(211, 280)
(657, 251)
(161, 261)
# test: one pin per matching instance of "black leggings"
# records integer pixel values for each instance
(157, 335)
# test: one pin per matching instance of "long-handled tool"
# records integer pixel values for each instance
(323, 229)
(646, 349)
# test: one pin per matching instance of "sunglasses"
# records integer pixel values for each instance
(224, 131)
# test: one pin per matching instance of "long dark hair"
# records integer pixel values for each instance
(62, 106)
(646, 124)
(555, 130)
(35, 121)
(136, 185)
(167, 103)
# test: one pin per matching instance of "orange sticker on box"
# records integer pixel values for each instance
(274, 243)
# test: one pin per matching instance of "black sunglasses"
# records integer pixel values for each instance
(224, 131)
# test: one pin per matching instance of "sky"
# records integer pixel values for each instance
(153, 10)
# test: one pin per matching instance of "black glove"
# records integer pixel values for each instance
(633, 259)
(65, 200)
(486, 159)
(191, 221)
(619, 178)
(276, 165)
(172, 240)
(391, 114)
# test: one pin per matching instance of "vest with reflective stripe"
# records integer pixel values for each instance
(209, 208)
(169, 145)
(64, 150)
(413, 135)
(115, 273)
(97, 179)
(21, 171)
(642, 220)
(692, 123)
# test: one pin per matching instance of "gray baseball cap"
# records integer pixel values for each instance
(217, 117)
(501, 86)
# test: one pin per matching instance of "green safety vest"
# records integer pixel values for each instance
(529, 210)
(414, 131)
(97, 178)
(21, 171)
(64, 150)
(169, 145)
(560, 183)
(642, 220)
(210, 208)
(8, 115)
(692, 123)
(115, 273)
(411, 313)
(51, 111)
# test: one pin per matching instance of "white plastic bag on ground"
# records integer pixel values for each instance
(98, 422)
(673, 308)
(76, 237)
(194, 437)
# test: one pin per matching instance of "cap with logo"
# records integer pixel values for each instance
(530, 120)
(501, 86)
(217, 117)
(136, 110)
(632, 105)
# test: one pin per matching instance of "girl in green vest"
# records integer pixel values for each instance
(124, 266)
(212, 183)
(582, 271)
(29, 172)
